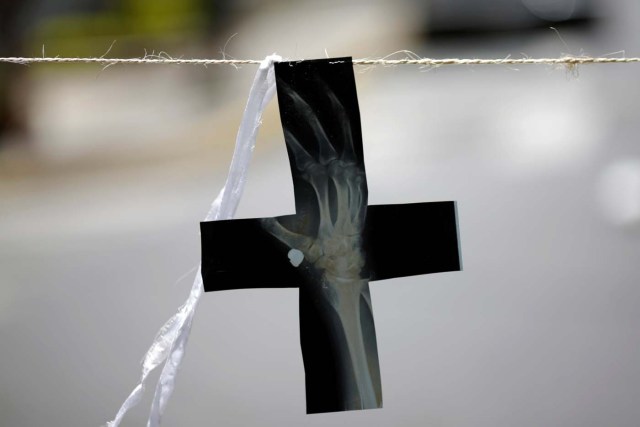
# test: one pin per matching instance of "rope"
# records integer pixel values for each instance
(427, 62)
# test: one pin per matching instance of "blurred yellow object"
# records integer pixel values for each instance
(135, 24)
(160, 17)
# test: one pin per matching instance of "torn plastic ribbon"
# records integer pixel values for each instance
(170, 343)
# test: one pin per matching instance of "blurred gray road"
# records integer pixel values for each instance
(541, 327)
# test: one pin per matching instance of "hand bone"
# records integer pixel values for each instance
(340, 188)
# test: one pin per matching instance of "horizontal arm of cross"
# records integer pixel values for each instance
(400, 240)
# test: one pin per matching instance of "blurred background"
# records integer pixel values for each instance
(105, 174)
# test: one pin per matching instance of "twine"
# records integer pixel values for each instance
(569, 61)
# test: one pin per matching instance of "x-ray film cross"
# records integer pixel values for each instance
(335, 243)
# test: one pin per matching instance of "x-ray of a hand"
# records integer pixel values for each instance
(334, 251)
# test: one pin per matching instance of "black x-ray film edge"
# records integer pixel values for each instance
(460, 262)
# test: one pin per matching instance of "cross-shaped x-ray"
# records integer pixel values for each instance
(335, 244)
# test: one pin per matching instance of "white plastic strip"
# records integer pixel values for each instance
(170, 342)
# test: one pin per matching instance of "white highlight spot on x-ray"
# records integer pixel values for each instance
(295, 257)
